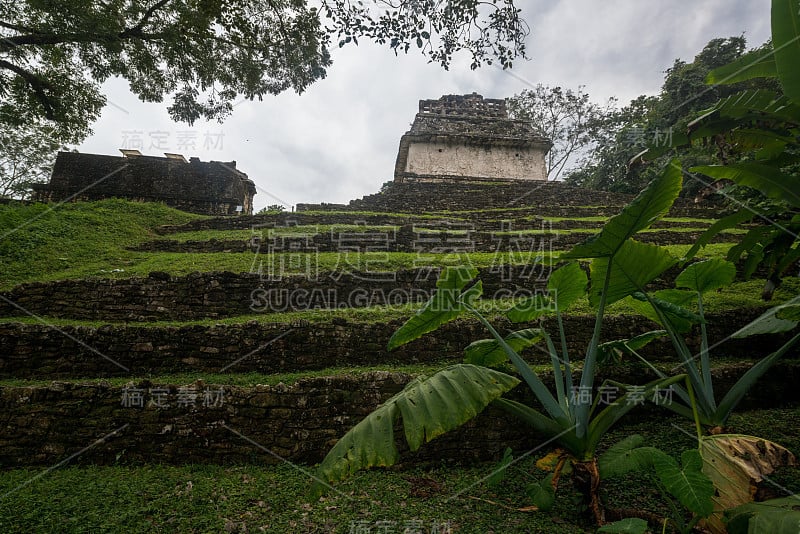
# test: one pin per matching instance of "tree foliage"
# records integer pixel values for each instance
(661, 121)
(27, 155)
(206, 54)
(568, 118)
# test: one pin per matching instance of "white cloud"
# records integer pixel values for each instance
(338, 141)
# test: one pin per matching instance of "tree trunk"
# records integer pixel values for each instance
(586, 477)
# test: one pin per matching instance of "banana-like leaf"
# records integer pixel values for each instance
(707, 275)
(566, 285)
(687, 483)
(743, 108)
(488, 352)
(446, 304)
(769, 322)
(736, 464)
(771, 181)
(428, 408)
(649, 206)
(729, 221)
(755, 64)
(629, 525)
(633, 266)
(776, 516)
(786, 45)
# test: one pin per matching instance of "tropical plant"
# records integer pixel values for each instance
(756, 133)
(668, 308)
(572, 415)
(685, 482)
(722, 474)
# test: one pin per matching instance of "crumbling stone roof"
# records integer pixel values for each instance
(202, 187)
(472, 118)
(467, 119)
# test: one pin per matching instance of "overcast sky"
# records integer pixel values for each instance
(339, 140)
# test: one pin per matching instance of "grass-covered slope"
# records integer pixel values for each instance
(41, 242)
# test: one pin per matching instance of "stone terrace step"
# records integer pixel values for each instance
(35, 351)
(438, 196)
(456, 196)
(225, 294)
(407, 239)
(156, 422)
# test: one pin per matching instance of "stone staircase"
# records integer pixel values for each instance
(225, 367)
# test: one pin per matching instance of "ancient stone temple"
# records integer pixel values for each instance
(211, 188)
(467, 136)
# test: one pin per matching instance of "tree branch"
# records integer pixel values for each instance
(16, 28)
(36, 83)
(136, 31)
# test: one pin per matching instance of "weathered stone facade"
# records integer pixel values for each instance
(46, 352)
(210, 188)
(468, 137)
(167, 423)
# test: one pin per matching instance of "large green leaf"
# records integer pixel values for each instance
(755, 64)
(730, 221)
(488, 352)
(737, 464)
(428, 407)
(542, 493)
(687, 482)
(625, 456)
(771, 181)
(775, 516)
(673, 305)
(769, 322)
(446, 304)
(649, 206)
(530, 309)
(566, 285)
(633, 266)
(707, 275)
(786, 44)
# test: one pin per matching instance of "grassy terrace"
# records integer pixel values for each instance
(739, 295)
(87, 240)
(254, 498)
(90, 240)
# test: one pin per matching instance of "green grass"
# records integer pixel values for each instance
(738, 296)
(38, 241)
(258, 498)
(267, 233)
(84, 240)
(239, 379)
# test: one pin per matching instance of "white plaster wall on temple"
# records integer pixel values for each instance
(477, 161)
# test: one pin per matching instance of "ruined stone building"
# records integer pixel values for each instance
(211, 188)
(466, 137)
